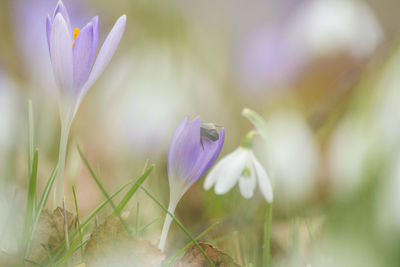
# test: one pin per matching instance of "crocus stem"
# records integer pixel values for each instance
(58, 193)
(267, 234)
(167, 224)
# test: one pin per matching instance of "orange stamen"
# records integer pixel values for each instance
(76, 32)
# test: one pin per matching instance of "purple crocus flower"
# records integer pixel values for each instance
(190, 156)
(72, 53)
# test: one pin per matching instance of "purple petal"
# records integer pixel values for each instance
(48, 30)
(208, 156)
(95, 22)
(61, 53)
(105, 54)
(185, 152)
(175, 138)
(60, 9)
(83, 55)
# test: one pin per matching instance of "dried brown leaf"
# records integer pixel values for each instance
(194, 258)
(49, 234)
(111, 245)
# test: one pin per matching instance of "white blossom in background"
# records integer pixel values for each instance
(160, 88)
(386, 112)
(349, 150)
(290, 154)
(8, 112)
(326, 27)
(388, 201)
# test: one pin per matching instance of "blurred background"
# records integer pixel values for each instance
(325, 75)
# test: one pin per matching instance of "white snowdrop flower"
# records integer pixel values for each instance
(332, 26)
(291, 154)
(386, 110)
(240, 166)
(388, 201)
(349, 151)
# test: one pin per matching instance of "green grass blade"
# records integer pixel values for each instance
(137, 218)
(142, 228)
(133, 189)
(75, 246)
(267, 235)
(31, 142)
(182, 250)
(87, 220)
(222, 238)
(179, 224)
(31, 137)
(42, 203)
(77, 219)
(100, 185)
(31, 198)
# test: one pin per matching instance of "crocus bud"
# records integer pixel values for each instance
(190, 156)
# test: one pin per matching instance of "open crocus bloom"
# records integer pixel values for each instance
(189, 157)
(72, 54)
(239, 166)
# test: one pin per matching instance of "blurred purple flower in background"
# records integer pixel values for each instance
(266, 60)
(190, 156)
(72, 54)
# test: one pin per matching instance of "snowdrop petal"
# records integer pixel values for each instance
(215, 172)
(83, 55)
(105, 54)
(247, 185)
(61, 54)
(229, 176)
(263, 180)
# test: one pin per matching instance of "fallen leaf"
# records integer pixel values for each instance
(111, 245)
(49, 234)
(194, 258)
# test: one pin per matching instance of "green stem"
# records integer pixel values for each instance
(256, 120)
(58, 192)
(247, 141)
(267, 235)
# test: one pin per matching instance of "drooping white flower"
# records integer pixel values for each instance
(242, 167)
(320, 30)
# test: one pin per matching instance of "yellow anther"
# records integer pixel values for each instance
(76, 32)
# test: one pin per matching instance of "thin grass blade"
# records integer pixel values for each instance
(31, 137)
(179, 224)
(78, 219)
(133, 189)
(102, 189)
(42, 203)
(31, 198)
(87, 220)
(182, 250)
